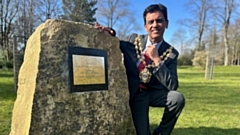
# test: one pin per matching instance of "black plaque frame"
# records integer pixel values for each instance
(88, 52)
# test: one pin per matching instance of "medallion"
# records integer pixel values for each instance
(145, 75)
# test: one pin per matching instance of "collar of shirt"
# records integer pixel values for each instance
(149, 42)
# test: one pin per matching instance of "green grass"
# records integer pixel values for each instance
(212, 106)
(7, 98)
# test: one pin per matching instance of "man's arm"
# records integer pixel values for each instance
(111, 31)
(166, 72)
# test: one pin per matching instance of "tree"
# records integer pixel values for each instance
(201, 10)
(112, 12)
(9, 8)
(234, 42)
(79, 10)
(47, 9)
(179, 38)
(30, 15)
(25, 21)
(224, 12)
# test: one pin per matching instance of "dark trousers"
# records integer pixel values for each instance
(172, 101)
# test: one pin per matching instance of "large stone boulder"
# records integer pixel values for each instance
(44, 105)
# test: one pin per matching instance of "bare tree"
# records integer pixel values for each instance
(224, 12)
(200, 9)
(47, 9)
(179, 38)
(113, 12)
(25, 22)
(234, 42)
(125, 28)
(9, 9)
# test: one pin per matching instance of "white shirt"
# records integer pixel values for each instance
(147, 44)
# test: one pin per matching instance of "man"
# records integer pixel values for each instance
(151, 67)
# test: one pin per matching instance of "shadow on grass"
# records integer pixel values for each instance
(7, 92)
(202, 131)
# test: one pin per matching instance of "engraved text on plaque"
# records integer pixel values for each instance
(87, 69)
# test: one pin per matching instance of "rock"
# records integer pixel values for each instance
(44, 105)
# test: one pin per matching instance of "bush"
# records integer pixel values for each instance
(200, 59)
(6, 64)
(9, 64)
(219, 59)
(184, 60)
(2, 64)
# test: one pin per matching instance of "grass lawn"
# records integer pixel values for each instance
(7, 98)
(212, 106)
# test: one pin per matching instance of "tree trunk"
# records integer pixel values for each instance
(238, 61)
(226, 50)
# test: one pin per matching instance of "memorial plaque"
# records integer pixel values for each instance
(87, 69)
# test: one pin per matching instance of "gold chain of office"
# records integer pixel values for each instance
(139, 49)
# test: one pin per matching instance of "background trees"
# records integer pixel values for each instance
(19, 18)
(201, 10)
(48, 9)
(224, 12)
(208, 16)
(8, 11)
(79, 10)
(113, 13)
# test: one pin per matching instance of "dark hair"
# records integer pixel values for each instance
(153, 8)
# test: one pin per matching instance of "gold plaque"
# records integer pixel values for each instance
(88, 70)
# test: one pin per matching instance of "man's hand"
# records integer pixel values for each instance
(152, 53)
(102, 28)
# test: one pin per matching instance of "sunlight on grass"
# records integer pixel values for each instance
(212, 106)
(7, 98)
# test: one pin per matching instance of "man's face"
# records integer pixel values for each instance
(155, 26)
